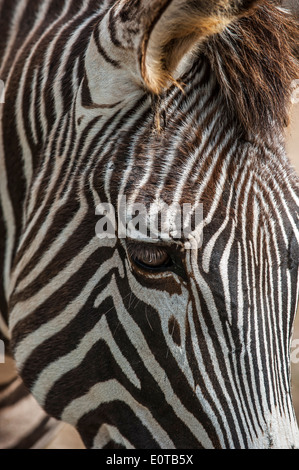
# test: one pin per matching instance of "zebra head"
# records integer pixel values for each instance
(178, 340)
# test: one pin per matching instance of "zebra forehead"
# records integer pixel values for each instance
(163, 223)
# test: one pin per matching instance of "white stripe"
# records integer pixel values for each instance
(8, 215)
(13, 33)
(109, 433)
(225, 274)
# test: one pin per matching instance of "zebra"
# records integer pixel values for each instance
(166, 343)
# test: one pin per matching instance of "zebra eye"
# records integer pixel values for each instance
(150, 257)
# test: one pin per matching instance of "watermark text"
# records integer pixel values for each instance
(156, 221)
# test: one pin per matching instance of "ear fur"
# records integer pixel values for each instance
(138, 44)
(183, 25)
(256, 68)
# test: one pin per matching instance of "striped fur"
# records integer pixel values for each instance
(196, 356)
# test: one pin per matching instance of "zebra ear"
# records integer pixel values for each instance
(185, 24)
(138, 45)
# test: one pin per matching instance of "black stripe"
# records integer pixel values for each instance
(103, 53)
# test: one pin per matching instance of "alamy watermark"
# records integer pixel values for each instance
(2, 92)
(155, 221)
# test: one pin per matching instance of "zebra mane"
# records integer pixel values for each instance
(255, 62)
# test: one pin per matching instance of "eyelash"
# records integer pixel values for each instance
(139, 252)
